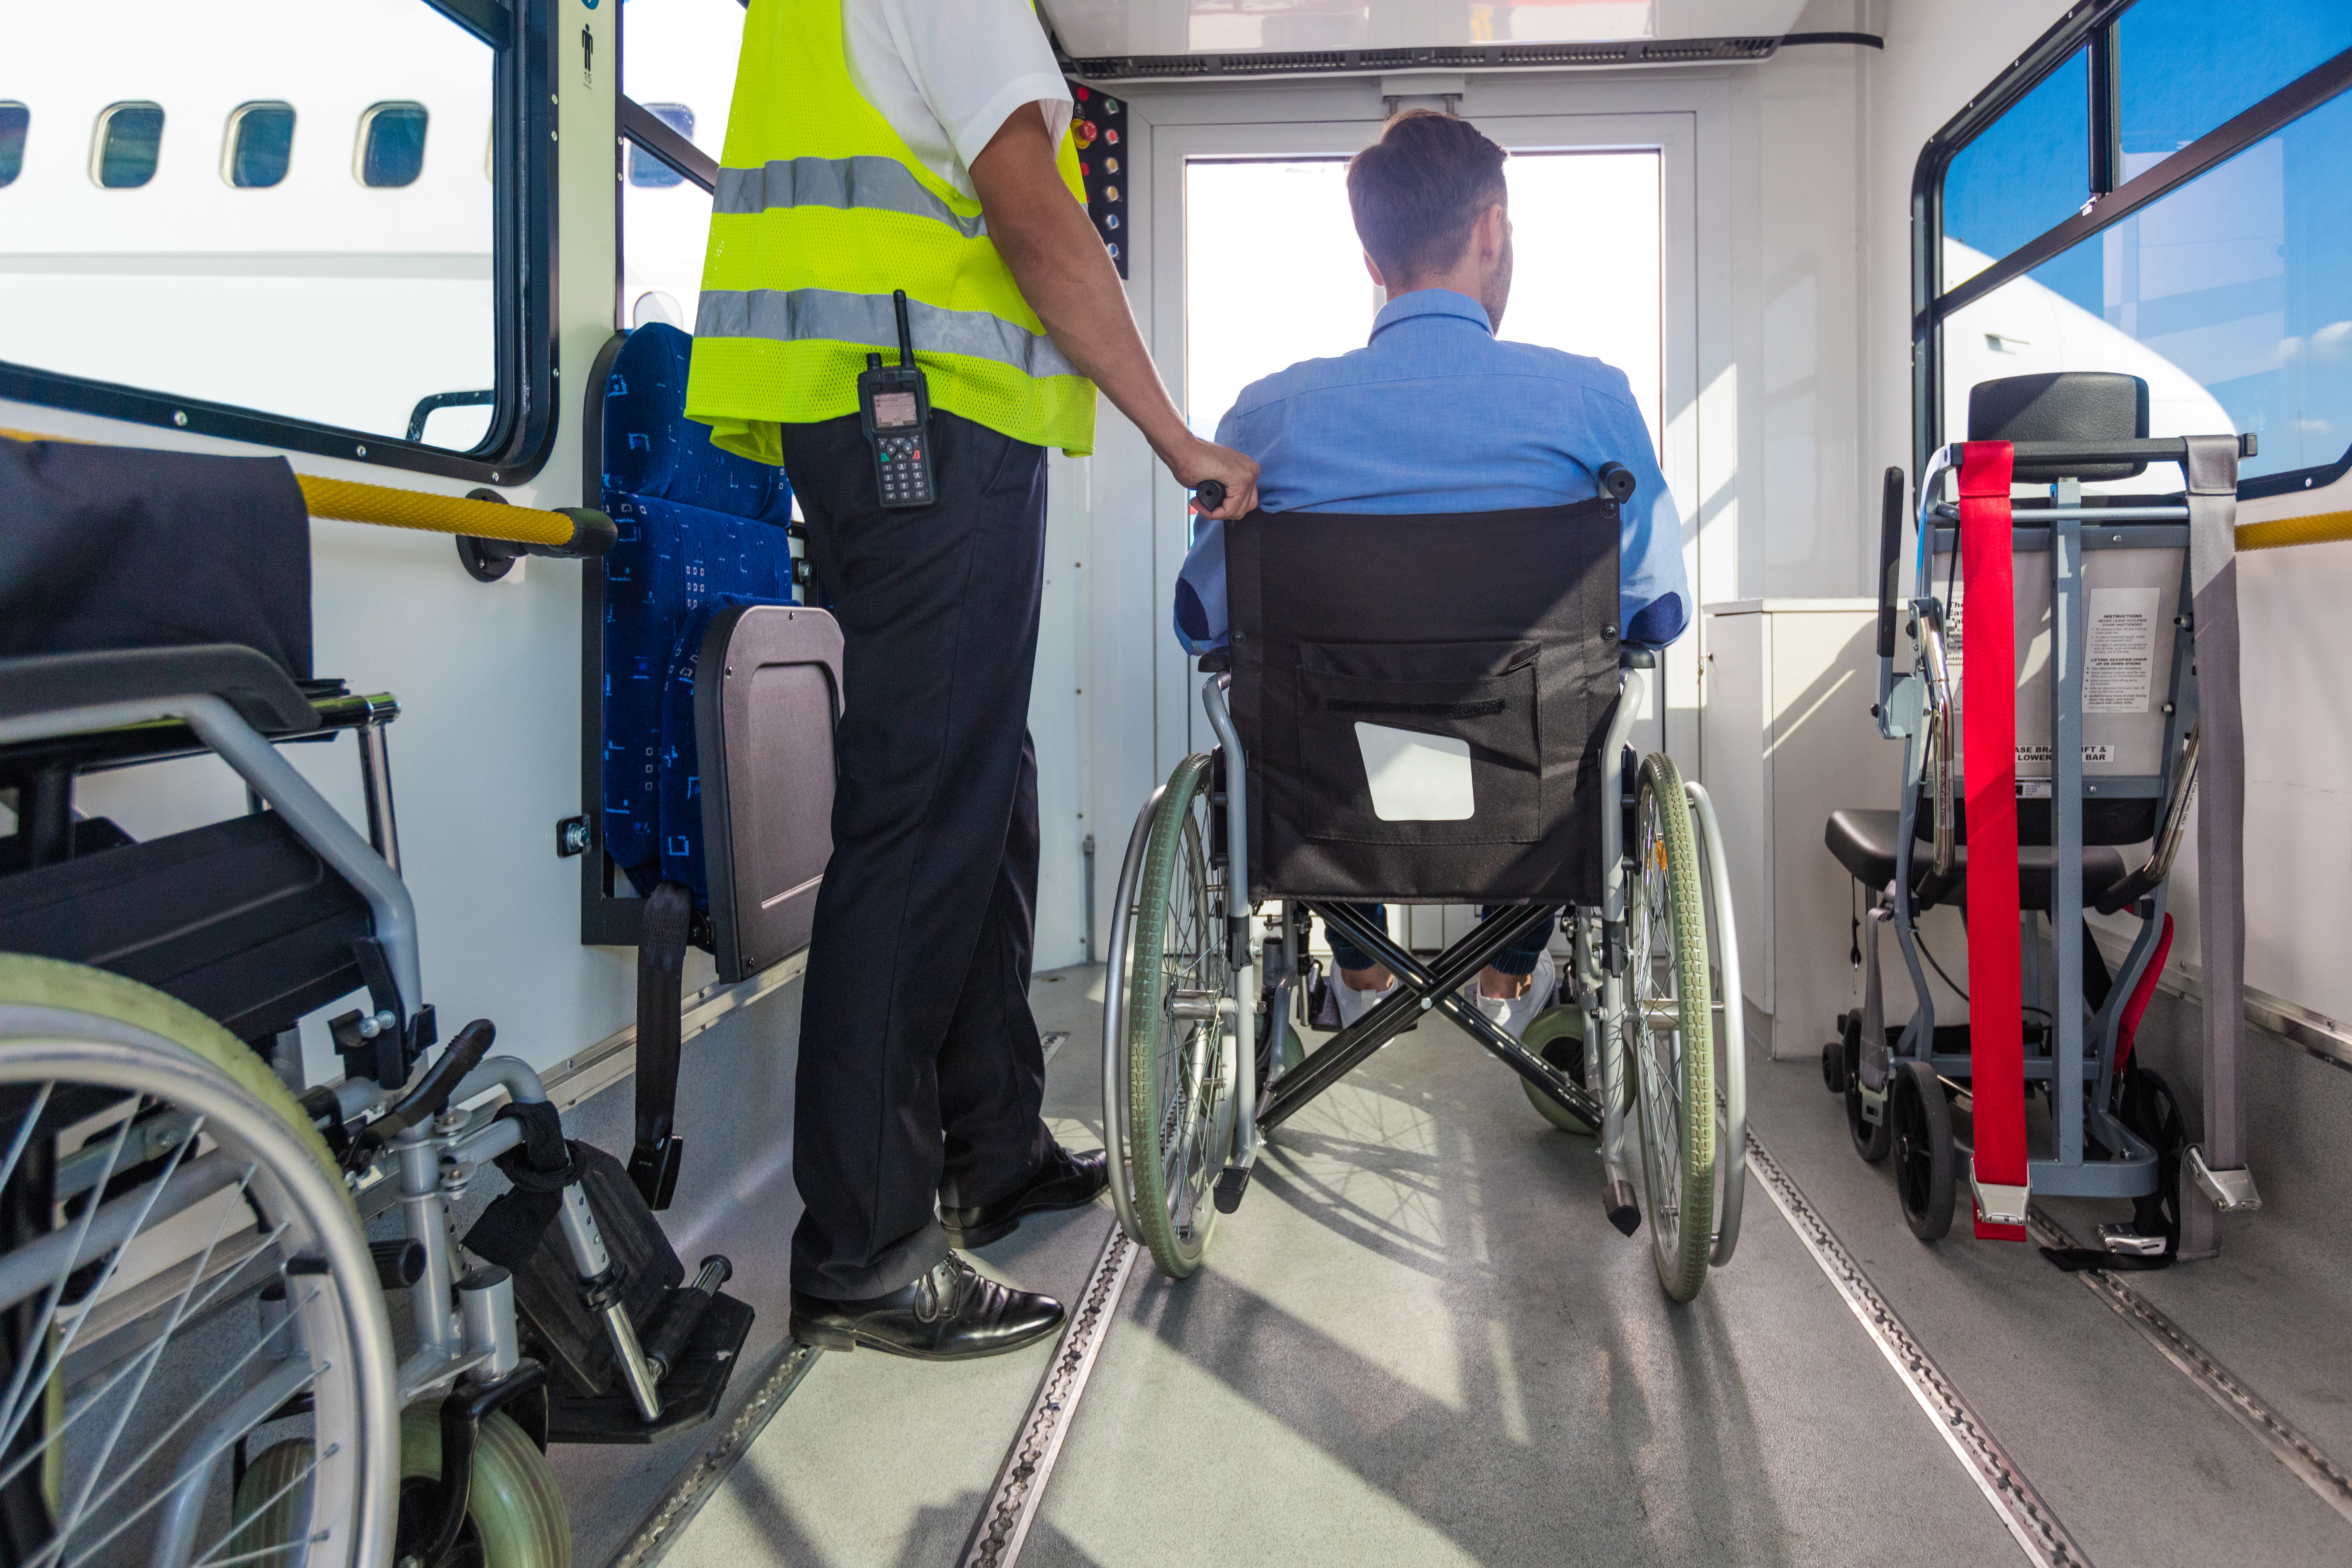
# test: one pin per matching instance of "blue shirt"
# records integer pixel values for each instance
(1436, 414)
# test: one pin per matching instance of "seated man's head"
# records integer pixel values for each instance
(1431, 210)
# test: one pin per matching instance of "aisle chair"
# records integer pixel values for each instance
(2102, 667)
(1416, 726)
(715, 793)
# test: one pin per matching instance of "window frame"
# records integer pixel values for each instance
(524, 42)
(2090, 25)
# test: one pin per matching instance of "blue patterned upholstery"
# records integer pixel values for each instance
(697, 526)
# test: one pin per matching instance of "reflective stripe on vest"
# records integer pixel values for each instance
(788, 315)
(882, 184)
(821, 212)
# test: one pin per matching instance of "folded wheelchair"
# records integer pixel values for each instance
(1426, 730)
(197, 1365)
(2096, 699)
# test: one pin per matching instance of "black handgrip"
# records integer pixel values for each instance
(1618, 480)
(398, 1263)
(686, 1309)
(1890, 558)
(1209, 494)
(429, 1098)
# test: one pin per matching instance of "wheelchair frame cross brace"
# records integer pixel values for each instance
(1598, 975)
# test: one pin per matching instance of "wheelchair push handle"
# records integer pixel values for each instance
(1890, 558)
(1618, 480)
(1209, 496)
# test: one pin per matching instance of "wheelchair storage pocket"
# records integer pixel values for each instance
(1420, 743)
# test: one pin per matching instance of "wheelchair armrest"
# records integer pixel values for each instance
(247, 681)
(1637, 658)
(1217, 661)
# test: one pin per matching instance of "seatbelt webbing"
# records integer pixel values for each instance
(1988, 752)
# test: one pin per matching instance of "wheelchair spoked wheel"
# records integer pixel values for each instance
(1174, 1064)
(1669, 1030)
(1925, 1161)
(182, 1272)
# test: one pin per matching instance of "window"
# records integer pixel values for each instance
(126, 145)
(2105, 220)
(14, 120)
(392, 145)
(1245, 322)
(677, 60)
(259, 146)
(284, 290)
(652, 173)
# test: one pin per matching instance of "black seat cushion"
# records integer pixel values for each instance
(250, 682)
(1865, 841)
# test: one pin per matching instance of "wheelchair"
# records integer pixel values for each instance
(1463, 741)
(198, 1364)
(2116, 615)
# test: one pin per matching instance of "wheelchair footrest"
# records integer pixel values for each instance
(690, 1393)
(1232, 1182)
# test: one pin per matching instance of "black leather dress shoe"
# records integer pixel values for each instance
(951, 1313)
(1066, 1181)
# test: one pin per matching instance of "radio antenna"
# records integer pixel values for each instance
(906, 333)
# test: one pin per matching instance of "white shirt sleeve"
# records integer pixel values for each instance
(976, 62)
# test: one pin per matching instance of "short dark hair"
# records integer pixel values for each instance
(1417, 190)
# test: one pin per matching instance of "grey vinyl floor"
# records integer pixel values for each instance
(1419, 1342)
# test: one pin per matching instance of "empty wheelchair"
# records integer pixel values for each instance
(1442, 735)
(2100, 672)
(197, 1365)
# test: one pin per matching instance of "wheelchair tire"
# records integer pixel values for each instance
(1870, 1139)
(124, 1094)
(1669, 1026)
(1919, 1124)
(515, 1516)
(1556, 1034)
(1173, 1072)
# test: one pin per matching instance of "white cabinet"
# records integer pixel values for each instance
(1787, 737)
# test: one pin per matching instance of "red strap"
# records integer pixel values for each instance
(2127, 1031)
(1988, 751)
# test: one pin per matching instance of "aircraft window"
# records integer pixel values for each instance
(2186, 66)
(2229, 296)
(674, 54)
(1245, 322)
(2027, 173)
(652, 173)
(259, 145)
(15, 120)
(392, 144)
(322, 323)
(128, 145)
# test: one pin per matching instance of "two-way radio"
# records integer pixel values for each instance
(894, 404)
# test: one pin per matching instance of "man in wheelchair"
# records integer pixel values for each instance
(1438, 414)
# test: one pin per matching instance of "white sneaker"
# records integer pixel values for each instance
(1512, 1015)
(1354, 1003)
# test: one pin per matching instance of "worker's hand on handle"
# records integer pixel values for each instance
(1208, 464)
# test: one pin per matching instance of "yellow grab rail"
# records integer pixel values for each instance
(351, 500)
(2319, 527)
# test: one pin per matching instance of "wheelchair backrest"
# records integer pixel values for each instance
(1422, 701)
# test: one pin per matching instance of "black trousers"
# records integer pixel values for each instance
(921, 1073)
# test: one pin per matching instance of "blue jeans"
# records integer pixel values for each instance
(1519, 958)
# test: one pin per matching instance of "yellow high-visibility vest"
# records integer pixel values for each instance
(822, 211)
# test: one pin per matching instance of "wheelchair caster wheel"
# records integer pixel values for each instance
(1919, 1125)
(1833, 1067)
(1556, 1034)
(1870, 1139)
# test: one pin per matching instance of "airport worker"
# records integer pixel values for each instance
(876, 146)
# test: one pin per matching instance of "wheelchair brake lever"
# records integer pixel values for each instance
(428, 1099)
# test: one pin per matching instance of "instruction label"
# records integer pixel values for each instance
(2119, 660)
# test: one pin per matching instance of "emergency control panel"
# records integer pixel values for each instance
(1099, 126)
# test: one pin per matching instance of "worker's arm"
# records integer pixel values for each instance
(1068, 280)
